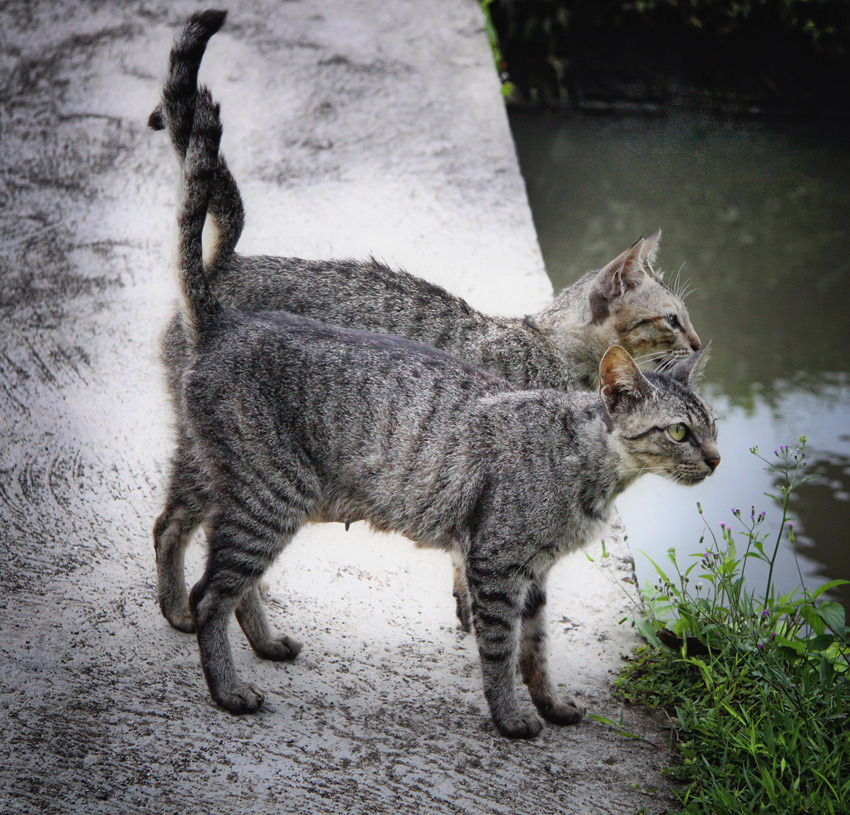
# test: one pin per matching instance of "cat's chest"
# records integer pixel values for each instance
(586, 509)
(583, 527)
(577, 535)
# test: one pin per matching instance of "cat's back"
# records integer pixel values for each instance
(361, 294)
(291, 360)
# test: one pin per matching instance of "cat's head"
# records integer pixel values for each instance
(632, 307)
(660, 422)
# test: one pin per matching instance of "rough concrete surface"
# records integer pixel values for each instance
(352, 128)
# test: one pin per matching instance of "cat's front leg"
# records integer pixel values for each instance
(211, 603)
(533, 661)
(496, 607)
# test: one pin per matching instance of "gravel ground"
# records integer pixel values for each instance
(352, 128)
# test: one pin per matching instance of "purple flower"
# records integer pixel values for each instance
(761, 646)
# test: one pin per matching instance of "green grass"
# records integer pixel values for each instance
(757, 685)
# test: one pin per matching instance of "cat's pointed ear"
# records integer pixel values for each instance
(621, 384)
(690, 369)
(649, 249)
(613, 280)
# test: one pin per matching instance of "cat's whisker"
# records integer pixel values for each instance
(679, 286)
(688, 289)
(677, 279)
(668, 362)
(646, 356)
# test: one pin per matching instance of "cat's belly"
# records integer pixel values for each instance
(347, 511)
(336, 512)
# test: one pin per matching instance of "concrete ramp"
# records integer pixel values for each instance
(352, 128)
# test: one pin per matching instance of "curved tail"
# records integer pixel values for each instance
(199, 167)
(176, 113)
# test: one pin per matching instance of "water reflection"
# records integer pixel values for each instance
(757, 216)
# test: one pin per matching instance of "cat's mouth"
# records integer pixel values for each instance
(689, 477)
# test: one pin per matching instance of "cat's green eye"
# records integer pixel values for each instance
(678, 431)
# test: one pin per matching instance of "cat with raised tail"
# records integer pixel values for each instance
(293, 420)
(625, 303)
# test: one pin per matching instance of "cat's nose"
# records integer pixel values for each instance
(713, 462)
(694, 341)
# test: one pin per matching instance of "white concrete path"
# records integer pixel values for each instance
(367, 126)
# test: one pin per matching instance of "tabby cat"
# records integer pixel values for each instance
(294, 420)
(624, 303)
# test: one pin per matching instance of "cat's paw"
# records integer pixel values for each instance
(281, 649)
(520, 726)
(240, 699)
(562, 713)
(180, 619)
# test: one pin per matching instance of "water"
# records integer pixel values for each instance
(756, 216)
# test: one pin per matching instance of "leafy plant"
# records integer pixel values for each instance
(757, 685)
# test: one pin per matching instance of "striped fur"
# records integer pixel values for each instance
(293, 420)
(201, 305)
(623, 303)
(176, 114)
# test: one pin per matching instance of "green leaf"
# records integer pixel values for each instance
(826, 671)
(828, 586)
(833, 615)
(606, 720)
(647, 631)
(813, 618)
(768, 734)
(820, 643)
(767, 781)
(657, 567)
(789, 649)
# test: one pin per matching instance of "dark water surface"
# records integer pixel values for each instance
(756, 217)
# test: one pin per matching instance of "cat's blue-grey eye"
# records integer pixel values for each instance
(673, 320)
(678, 431)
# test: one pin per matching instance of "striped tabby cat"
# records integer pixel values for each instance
(624, 303)
(294, 420)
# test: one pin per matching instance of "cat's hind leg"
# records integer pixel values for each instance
(533, 662)
(185, 507)
(460, 591)
(496, 607)
(252, 618)
(242, 546)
